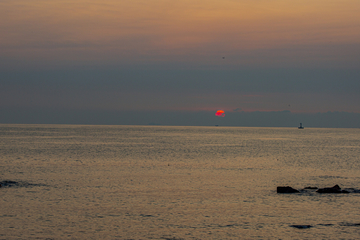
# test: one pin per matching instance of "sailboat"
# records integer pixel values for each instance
(301, 126)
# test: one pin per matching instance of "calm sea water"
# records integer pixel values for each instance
(158, 182)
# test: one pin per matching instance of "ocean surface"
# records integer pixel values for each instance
(165, 182)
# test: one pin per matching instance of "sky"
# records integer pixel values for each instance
(178, 62)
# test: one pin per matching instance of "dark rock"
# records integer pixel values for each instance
(350, 224)
(286, 189)
(301, 226)
(8, 183)
(334, 189)
(326, 224)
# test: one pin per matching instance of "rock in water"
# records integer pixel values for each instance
(286, 189)
(301, 226)
(8, 183)
(334, 189)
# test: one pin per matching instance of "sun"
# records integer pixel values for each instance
(220, 113)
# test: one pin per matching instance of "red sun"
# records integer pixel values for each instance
(220, 113)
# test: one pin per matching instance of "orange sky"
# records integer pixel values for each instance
(161, 30)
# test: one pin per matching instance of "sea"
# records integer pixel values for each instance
(177, 182)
